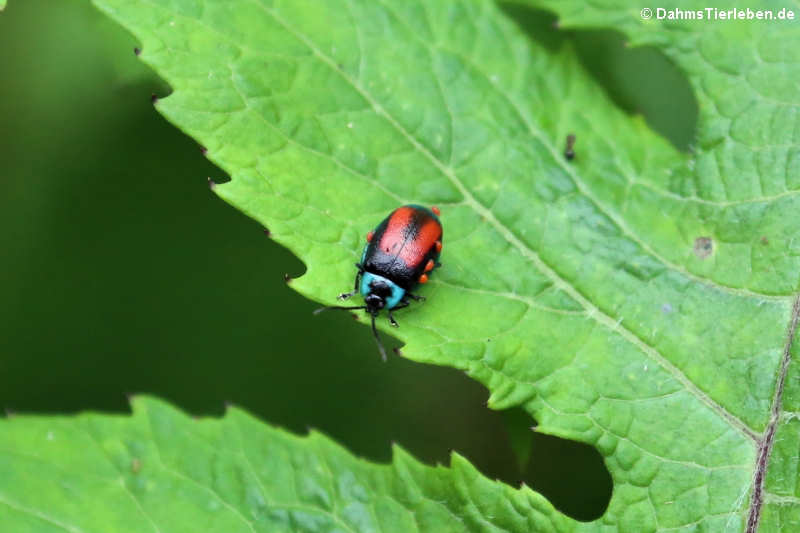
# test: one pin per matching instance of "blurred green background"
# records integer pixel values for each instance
(121, 273)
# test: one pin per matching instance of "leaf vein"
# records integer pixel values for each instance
(263, 489)
(183, 476)
(40, 515)
(121, 480)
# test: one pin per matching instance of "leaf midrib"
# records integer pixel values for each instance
(758, 496)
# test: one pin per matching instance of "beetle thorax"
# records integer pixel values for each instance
(379, 292)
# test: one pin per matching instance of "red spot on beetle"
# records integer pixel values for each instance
(429, 265)
(435, 210)
(438, 246)
(370, 235)
(423, 278)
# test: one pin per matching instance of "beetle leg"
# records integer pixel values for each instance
(415, 297)
(346, 295)
(402, 304)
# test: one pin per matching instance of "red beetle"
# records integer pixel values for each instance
(400, 253)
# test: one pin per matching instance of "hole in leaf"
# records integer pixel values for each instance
(576, 482)
(639, 80)
(570, 474)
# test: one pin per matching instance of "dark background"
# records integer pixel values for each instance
(120, 272)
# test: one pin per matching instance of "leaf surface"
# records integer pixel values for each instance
(635, 298)
(741, 187)
(162, 471)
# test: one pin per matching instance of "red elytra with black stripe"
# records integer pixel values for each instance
(405, 247)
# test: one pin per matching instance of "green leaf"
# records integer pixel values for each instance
(739, 194)
(162, 471)
(636, 298)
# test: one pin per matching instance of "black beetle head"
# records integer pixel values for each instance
(379, 291)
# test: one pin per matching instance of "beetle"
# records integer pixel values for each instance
(401, 253)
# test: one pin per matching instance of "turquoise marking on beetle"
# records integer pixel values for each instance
(370, 280)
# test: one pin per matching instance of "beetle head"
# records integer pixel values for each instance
(379, 292)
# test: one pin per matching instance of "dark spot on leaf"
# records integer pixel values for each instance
(287, 278)
(398, 351)
(136, 466)
(569, 151)
(154, 98)
(764, 240)
(211, 184)
(137, 51)
(703, 247)
(267, 232)
(666, 308)
(203, 150)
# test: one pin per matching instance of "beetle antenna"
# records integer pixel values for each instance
(378, 339)
(342, 307)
